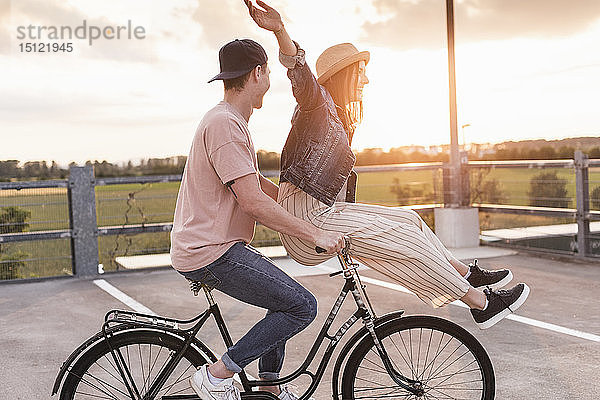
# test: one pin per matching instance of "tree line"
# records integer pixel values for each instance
(268, 160)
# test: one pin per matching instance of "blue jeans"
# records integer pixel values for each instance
(245, 274)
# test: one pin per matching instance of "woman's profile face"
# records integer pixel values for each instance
(362, 80)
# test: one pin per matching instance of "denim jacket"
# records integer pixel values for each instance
(316, 156)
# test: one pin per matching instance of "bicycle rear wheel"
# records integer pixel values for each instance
(96, 376)
(448, 361)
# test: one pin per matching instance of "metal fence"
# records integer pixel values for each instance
(88, 223)
(29, 213)
(554, 199)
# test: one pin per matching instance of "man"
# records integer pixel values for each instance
(221, 197)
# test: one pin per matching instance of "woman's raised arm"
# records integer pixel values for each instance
(304, 84)
(270, 20)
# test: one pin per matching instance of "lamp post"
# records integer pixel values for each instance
(455, 226)
(455, 181)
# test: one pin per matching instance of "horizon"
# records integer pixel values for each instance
(123, 162)
(522, 74)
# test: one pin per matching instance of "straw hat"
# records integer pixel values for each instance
(336, 58)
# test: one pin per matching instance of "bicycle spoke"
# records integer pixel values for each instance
(127, 349)
(419, 351)
(389, 396)
(378, 357)
(426, 354)
(95, 395)
(160, 370)
(438, 352)
(367, 380)
(454, 385)
(446, 395)
(437, 380)
(407, 353)
(139, 346)
(391, 359)
(411, 350)
(457, 373)
(447, 377)
(449, 365)
(399, 352)
(107, 371)
(427, 396)
(155, 359)
(111, 363)
(179, 379)
(149, 359)
(95, 387)
(127, 371)
(105, 384)
(377, 365)
(372, 369)
(365, 388)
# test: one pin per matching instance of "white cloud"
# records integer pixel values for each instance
(410, 24)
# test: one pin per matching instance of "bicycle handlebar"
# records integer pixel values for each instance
(346, 247)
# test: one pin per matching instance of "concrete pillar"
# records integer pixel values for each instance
(457, 227)
(84, 229)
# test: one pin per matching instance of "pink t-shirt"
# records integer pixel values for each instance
(208, 220)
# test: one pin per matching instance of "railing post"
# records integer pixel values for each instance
(457, 196)
(582, 190)
(447, 184)
(82, 215)
(465, 177)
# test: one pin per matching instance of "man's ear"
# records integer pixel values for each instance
(257, 71)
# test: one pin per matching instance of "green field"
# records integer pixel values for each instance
(150, 203)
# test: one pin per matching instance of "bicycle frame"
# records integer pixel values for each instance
(352, 285)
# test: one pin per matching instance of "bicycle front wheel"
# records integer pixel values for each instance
(448, 361)
(96, 376)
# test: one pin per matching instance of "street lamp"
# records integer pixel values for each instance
(455, 167)
(455, 226)
(463, 136)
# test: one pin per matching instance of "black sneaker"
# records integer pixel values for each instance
(481, 278)
(500, 304)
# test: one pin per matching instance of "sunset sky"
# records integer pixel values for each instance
(525, 69)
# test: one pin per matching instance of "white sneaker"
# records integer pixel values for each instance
(286, 394)
(207, 391)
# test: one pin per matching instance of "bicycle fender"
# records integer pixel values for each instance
(359, 335)
(119, 329)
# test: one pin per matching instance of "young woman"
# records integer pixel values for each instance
(316, 164)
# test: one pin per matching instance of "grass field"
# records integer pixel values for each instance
(150, 203)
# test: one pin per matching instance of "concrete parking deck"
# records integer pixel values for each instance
(550, 351)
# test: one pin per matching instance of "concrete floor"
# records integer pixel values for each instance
(41, 323)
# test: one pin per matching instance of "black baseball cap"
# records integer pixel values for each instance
(239, 57)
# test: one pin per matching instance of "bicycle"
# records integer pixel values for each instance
(391, 356)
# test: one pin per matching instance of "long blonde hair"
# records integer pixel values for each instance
(342, 86)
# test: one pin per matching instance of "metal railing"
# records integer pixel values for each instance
(581, 213)
(84, 226)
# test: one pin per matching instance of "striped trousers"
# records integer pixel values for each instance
(393, 241)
